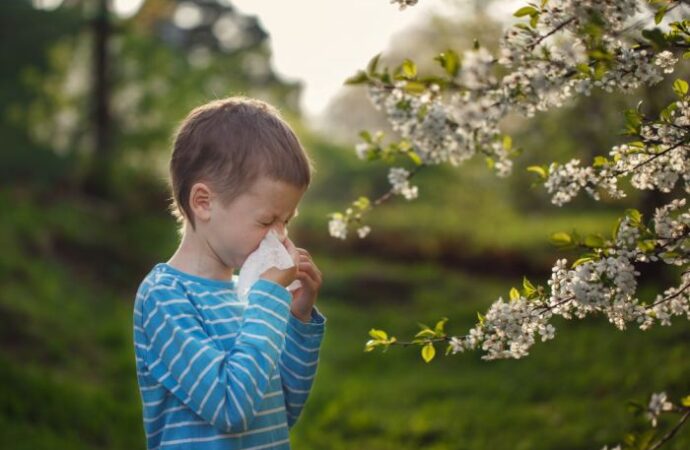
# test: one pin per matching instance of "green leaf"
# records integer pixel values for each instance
(614, 233)
(583, 68)
(481, 318)
(600, 161)
(378, 334)
(667, 113)
(514, 294)
(507, 142)
(685, 401)
(526, 11)
(633, 119)
(359, 78)
(541, 171)
(680, 87)
(408, 69)
(580, 261)
(371, 344)
(439, 325)
(686, 55)
(594, 241)
(414, 87)
(630, 439)
(362, 203)
(655, 36)
(635, 215)
(428, 352)
(527, 286)
(646, 245)
(561, 239)
(534, 20)
(450, 61)
(490, 163)
(371, 67)
(421, 112)
(659, 16)
(415, 157)
(425, 333)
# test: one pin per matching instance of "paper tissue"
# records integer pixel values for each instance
(270, 253)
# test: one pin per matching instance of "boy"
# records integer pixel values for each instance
(215, 372)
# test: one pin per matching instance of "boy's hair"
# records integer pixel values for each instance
(228, 144)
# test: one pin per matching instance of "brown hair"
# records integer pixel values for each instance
(229, 143)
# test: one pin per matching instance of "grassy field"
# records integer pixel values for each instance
(67, 376)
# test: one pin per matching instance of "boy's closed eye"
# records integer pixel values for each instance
(266, 222)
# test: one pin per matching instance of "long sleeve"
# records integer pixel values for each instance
(299, 360)
(223, 388)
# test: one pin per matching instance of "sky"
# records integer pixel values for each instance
(323, 42)
(320, 42)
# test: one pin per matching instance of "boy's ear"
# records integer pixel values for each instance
(200, 201)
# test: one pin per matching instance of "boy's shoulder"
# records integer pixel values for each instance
(164, 277)
(158, 278)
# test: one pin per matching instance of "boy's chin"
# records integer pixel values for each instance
(241, 262)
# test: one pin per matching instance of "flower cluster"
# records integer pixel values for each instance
(606, 285)
(455, 127)
(337, 227)
(508, 330)
(659, 163)
(399, 178)
(542, 66)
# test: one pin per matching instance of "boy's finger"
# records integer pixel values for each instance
(292, 250)
(311, 271)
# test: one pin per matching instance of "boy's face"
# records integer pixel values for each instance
(234, 231)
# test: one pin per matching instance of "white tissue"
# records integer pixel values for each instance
(270, 253)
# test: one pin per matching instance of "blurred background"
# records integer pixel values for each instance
(90, 94)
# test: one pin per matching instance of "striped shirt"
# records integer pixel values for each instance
(217, 373)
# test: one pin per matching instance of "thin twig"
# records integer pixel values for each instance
(672, 432)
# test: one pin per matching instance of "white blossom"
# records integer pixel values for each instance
(399, 178)
(337, 228)
(362, 150)
(666, 60)
(362, 232)
(657, 404)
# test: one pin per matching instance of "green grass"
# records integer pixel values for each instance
(68, 381)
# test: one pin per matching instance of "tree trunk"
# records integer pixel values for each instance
(98, 179)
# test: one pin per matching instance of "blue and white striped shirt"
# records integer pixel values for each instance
(217, 373)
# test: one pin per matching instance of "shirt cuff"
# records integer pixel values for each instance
(315, 326)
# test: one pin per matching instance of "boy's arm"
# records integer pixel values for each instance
(224, 388)
(299, 360)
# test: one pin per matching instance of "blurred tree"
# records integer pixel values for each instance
(145, 72)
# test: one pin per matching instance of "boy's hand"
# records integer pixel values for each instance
(304, 298)
(284, 277)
